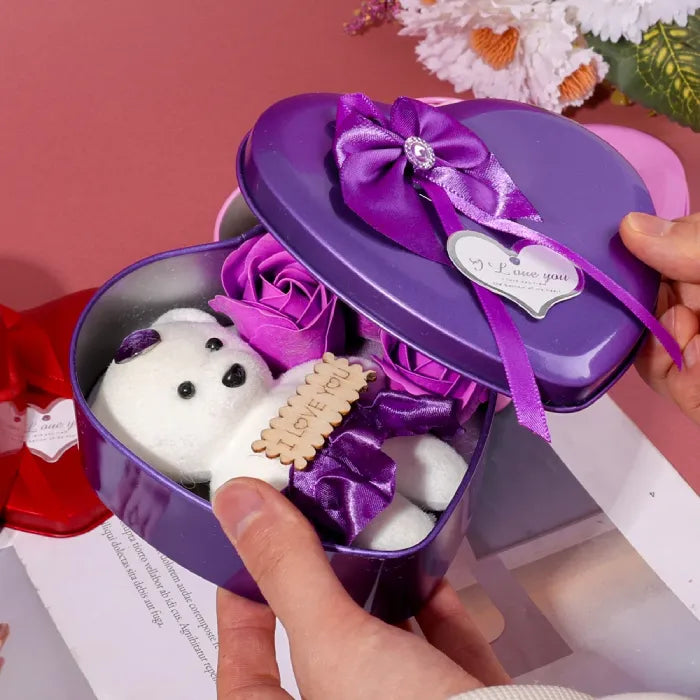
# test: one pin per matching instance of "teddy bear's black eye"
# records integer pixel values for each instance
(214, 344)
(186, 390)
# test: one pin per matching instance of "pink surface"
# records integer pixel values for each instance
(222, 212)
(659, 167)
(120, 124)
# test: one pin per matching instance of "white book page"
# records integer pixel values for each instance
(138, 624)
(638, 489)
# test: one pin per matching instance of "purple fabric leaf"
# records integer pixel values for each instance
(351, 480)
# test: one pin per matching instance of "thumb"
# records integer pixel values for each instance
(671, 247)
(283, 554)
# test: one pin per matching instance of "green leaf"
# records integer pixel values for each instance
(662, 72)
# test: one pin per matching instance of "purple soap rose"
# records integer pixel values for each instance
(277, 306)
(408, 370)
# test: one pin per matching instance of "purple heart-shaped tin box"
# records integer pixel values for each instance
(582, 189)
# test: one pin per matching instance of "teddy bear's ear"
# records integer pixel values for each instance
(136, 343)
(184, 315)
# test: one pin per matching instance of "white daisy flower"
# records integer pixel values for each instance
(612, 20)
(420, 15)
(508, 49)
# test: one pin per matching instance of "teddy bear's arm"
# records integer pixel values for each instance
(399, 526)
(251, 465)
(428, 470)
(238, 459)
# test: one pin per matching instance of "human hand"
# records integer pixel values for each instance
(672, 248)
(337, 649)
(4, 634)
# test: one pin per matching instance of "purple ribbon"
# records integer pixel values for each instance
(351, 480)
(384, 164)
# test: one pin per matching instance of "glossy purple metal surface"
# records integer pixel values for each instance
(580, 185)
(179, 523)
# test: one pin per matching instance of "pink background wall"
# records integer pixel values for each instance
(120, 123)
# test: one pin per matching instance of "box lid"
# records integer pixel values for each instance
(581, 187)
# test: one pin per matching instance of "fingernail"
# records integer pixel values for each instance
(4, 631)
(668, 320)
(691, 354)
(649, 225)
(236, 505)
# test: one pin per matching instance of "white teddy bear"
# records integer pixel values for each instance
(192, 403)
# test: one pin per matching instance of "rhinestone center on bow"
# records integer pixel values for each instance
(419, 152)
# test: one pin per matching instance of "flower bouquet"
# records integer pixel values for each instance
(553, 53)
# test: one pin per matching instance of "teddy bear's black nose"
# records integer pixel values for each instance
(235, 376)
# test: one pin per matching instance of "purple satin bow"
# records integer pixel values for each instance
(351, 480)
(385, 163)
(373, 155)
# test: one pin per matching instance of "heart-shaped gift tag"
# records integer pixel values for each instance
(51, 431)
(533, 276)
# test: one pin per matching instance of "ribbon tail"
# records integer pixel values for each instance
(519, 373)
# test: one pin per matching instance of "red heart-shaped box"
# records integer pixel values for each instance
(43, 488)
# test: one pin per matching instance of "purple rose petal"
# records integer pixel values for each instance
(410, 371)
(277, 305)
(367, 329)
